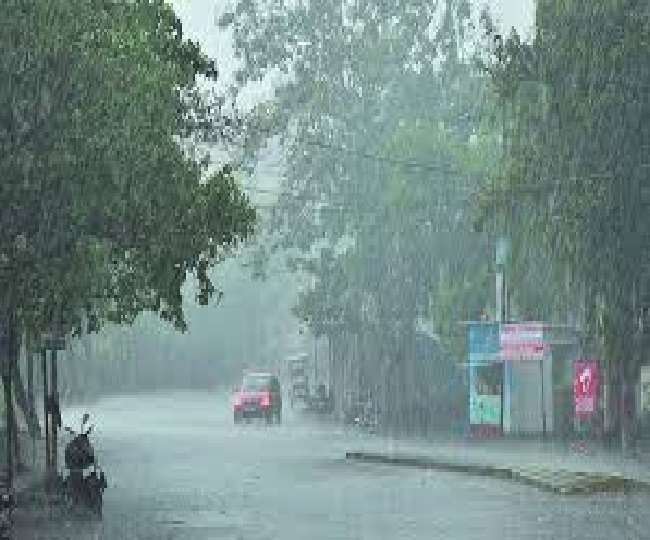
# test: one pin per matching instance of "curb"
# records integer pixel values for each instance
(560, 481)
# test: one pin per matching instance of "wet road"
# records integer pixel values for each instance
(179, 469)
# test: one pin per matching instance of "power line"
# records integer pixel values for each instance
(466, 192)
(409, 163)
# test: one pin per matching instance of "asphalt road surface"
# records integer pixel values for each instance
(179, 469)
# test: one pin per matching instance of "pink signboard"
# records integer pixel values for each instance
(523, 341)
(586, 381)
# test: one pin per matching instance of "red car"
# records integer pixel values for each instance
(259, 396)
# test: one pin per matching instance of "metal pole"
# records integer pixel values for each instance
(55, 404)
(499, 285)
(503, 388)
(541, 373)
(46, 415)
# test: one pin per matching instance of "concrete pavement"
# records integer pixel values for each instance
(561, 481)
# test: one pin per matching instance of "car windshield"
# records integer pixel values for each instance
(256, 383)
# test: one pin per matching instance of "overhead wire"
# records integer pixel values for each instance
(378, 158)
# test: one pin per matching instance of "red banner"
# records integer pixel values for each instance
(523, 341)
(586, 382)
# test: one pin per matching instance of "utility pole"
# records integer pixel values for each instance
(501, 251)
(500, 259)
(543, 400)
(500, 317)
(315, 361)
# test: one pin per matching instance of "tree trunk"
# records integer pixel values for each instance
(26, 406)
(87, 372)
(338, 366)
(6, 363)
(628, 410)
(9, 425)
(9, 378)
(622, 369)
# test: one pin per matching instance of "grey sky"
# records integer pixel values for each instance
(517, 13)
(199, 21)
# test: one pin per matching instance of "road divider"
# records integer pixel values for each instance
(561, 481)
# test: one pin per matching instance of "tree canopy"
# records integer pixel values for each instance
(382, 119)
(377, 132)
(108, 205)
(578, 109)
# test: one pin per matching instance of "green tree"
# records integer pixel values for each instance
(377, 117)
(108, 204)
(578, 105)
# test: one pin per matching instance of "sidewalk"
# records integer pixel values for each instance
(34, 514)
(28, 483)
(548, 465)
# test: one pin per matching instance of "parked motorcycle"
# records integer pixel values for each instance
(84, 485)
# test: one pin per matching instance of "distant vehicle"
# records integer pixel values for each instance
(259, 396)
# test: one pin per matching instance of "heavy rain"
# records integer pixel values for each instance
(325, 269)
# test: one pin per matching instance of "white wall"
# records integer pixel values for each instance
(525, 390)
